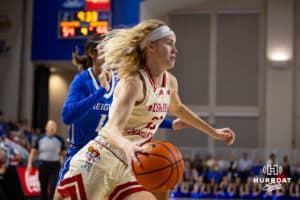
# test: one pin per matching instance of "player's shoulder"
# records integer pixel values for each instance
(81, 76)
(134, 80)
(132, 85)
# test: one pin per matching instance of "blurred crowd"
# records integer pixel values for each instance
(213, 177)
(16, 140)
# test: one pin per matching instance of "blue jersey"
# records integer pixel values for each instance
(86, 107)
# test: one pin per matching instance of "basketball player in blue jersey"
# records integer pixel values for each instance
(86, 108)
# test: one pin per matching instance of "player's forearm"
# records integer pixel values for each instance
(186, 115)
(116, 138)
(76, 108)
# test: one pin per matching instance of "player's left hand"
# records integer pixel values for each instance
(179, 124)
(225, 134)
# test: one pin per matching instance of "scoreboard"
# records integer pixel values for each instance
(88, 18)
(79, 24)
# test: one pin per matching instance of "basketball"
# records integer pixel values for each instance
(161, 167)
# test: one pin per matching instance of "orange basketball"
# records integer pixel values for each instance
(161, 167)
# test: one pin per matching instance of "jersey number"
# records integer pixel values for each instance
(152, 125)
(101, 122)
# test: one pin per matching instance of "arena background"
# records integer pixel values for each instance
(237, 65)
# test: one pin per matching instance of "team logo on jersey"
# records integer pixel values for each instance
(92, 156)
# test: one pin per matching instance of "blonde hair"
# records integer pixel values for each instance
(122, 47)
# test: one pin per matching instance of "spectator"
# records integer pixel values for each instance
(36, 133)
(244, 190)
(3, 124)
(223, 166)
(294, 189)
(14, 153)
(210, 161)
(296, 171)
(286, 168)
(214, 173)
(3, 166)
(18, 155)
(233, 188)
(244, 167)
(232, 167)
(196, 187)
(257, 168)
(272, 159)
(184, 187)
(197, 163)
(221, 188)
(280, 192)
(25, 131)
(256, 190)
(206, 190)
(189, 170)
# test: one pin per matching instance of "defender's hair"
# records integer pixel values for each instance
(85, 61)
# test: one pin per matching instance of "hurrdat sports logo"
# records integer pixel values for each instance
(271, 180)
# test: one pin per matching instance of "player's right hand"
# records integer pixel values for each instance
(133, 148)
(225, 134)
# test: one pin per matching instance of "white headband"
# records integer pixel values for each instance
(156, 34)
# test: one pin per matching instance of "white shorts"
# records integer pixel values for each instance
(98, 172)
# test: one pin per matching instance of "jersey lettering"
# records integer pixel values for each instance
(158, 107)
(102, 106)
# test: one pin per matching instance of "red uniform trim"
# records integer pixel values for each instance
(71, 190)
(121, 187)
(150, 77)
(126, 193)
(164, 82)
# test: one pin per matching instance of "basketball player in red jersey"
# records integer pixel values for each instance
(144, 94)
